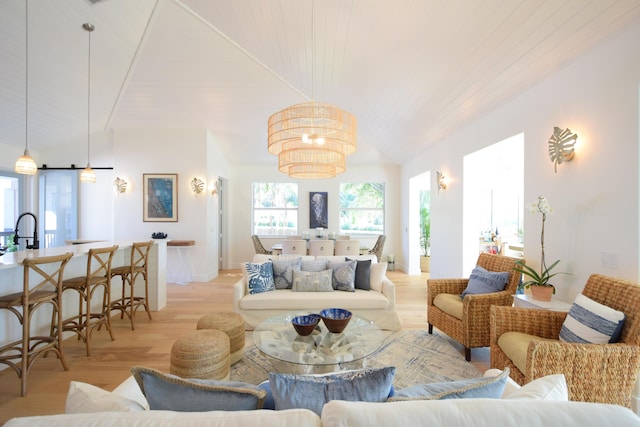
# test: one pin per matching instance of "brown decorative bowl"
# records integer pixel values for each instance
(304, 325)
(335, 319)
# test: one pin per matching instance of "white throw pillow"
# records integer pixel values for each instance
(378, 272)
(551, 387)
(130, 388)
(85, 398)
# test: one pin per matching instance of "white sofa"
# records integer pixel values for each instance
(376, 305)
(450, 412)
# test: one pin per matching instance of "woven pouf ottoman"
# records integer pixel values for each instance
(201, 354)
(231, 324)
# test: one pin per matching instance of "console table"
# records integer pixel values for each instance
(180, 273)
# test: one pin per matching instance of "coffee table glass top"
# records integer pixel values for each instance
(277, 338)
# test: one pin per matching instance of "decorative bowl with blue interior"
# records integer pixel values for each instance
(335, 319)
(304, 325)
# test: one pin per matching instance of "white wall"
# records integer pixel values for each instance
(595, 226)
(243, 177)
(186, 153)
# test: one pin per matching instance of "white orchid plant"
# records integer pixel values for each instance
(541, 205)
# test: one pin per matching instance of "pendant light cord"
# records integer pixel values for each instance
(313, 50)
(89, 28)
(89, 102)
(26, 80)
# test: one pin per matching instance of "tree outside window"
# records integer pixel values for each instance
(362, 208)
(275, 209)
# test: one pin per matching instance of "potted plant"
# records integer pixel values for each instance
(425, 232)
(539, 282)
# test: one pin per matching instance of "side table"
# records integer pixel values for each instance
(180, 274)
(526, 301)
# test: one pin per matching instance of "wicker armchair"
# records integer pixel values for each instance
(472, 330)
(603, 373)
(257, 244)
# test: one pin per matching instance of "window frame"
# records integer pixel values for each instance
(289, 211)
(360, 233)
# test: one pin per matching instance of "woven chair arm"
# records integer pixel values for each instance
(476, 307)
(444, 286)
(542, 323)
(594, 372)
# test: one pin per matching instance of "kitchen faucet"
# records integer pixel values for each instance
(36, 242)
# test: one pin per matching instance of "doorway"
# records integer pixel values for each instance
(222, 224)
(492, 198)
(419, 187)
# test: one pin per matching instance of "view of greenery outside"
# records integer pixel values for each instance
(362, 208)
(275, 208)
(425, 222)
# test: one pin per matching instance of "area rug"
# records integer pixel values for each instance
(417, 356)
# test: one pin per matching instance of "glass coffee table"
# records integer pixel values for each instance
(319, 352)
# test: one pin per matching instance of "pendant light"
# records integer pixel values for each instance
(25, 164)
(312, 139)
(88, 175)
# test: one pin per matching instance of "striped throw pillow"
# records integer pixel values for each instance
(590, 322)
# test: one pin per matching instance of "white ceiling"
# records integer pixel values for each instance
(411, 71)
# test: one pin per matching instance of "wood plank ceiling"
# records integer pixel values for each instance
(411, 71)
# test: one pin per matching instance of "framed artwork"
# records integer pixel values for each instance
(160, 197)
(318, 210)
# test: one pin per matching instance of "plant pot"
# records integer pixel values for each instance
(541, 293)
(425, 264)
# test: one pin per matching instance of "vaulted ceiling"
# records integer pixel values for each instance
(411, 71)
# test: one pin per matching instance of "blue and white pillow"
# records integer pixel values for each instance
(484, 387)
(344, 275)
(483, 281)
(283, 272)
(259, 277)
(590, 322)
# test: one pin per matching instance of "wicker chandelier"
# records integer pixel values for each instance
(312, 140)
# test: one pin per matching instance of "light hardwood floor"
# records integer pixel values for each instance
(150, 344)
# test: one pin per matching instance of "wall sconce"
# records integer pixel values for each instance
(442, 181)
(561, 146)
(119, 185)
(214, 189)
(197, 185)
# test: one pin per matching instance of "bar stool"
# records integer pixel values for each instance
(20, 355)
(98, 278)
(138, 266)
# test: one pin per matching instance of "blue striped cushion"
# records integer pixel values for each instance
(591, 322)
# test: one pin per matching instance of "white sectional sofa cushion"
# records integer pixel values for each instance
(376, 304)
(477, 413)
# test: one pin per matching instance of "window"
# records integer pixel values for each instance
(275, 209)
(362, 208)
